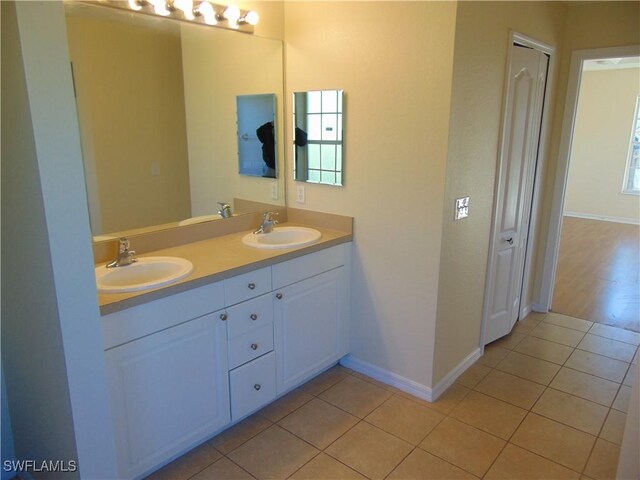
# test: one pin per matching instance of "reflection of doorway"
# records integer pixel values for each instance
(598, 263)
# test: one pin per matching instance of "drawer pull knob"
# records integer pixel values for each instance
(253, 316)
(223, 317)
(254, 346)
(257, 386)
(252, 286)
(279, 296)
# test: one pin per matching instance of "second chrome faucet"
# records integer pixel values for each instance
(268, 222)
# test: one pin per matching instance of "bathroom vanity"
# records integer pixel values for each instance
(187, 365)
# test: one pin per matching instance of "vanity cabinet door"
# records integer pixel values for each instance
(169, 391)
(310, 328)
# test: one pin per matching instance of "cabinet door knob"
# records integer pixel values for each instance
(257, 386)
(279, 296)
(253, 316)
(223, 317)
(254, 346)
(252, 286)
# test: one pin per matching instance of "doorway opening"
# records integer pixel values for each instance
(592, 262)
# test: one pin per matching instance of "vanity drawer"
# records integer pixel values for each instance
(252, 385)
(307, 266)
(250, 345)
(248, 285)
(249, 315)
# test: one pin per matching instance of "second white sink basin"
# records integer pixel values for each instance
(147, 272)
(282, 237)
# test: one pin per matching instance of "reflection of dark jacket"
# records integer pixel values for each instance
(301, 137)
(265, 135)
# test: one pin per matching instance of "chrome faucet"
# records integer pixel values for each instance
(124, 256)
(267, 222)
(225, 210)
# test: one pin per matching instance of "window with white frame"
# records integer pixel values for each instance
(632, 173)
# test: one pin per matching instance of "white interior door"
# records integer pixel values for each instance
(514, 193)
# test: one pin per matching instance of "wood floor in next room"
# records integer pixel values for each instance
(598, 272)
(547, 402)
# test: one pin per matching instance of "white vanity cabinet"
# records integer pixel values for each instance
(168, 376)
(183, 367)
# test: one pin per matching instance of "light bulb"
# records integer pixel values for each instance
(186, 6)
(135, 5)
(232, 13)
(206, 10)
(160, 7)
(252, 17)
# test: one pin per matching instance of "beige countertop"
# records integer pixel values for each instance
(215, 259)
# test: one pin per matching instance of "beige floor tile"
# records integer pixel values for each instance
(571, 410)
(324, 467)
(603, 462)
(544, 350)
(608, 347)
(188, 464)
(235, 436)
(568, 322)
(635, 358)
(493, 355)
(555, 441)
(614, 333)
(489, 414)
(613, 429)
(375, 382)
(369, 450)
(598, 365)
(472, 376)
(447, 401)
(421, 465)
(517, 463)
(223, 469)
(529, 323)
(515, 390)
(510, 341)
(325, 380)
(285, 405)
(554, 333)
(463, 445)
(273, 453)
(623, 397)
(405, 419)
(355, 396)
(632, 373)
(318, 423)
(585, 386)
(530, 368)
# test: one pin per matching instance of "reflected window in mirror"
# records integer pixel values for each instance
(318, 136)
(255, 117)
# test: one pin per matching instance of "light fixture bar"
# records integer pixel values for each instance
(200, 12)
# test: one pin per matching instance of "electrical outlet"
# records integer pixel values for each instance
(462, 208)
(300, 193)
(274, 191)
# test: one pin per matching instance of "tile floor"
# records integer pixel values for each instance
(546, 402)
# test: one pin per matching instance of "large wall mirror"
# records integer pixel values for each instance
(318, 136)
(157, 105)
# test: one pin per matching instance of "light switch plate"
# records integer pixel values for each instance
(462, 208)
(300, 193)
(274, 191)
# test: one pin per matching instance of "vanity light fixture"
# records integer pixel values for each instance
(200, 12)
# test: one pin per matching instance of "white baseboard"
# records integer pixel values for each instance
(604, 218)
(526, 310)
(451, 377)
(536, 307)
(409, 386)
(414, 388)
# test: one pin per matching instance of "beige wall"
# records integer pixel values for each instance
(131, 109)
(482, 41)
(250, 66)
(600, 147)
(588, 26)
(394, 62)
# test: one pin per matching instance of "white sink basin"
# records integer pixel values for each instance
(147, 272)
(282, 237)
